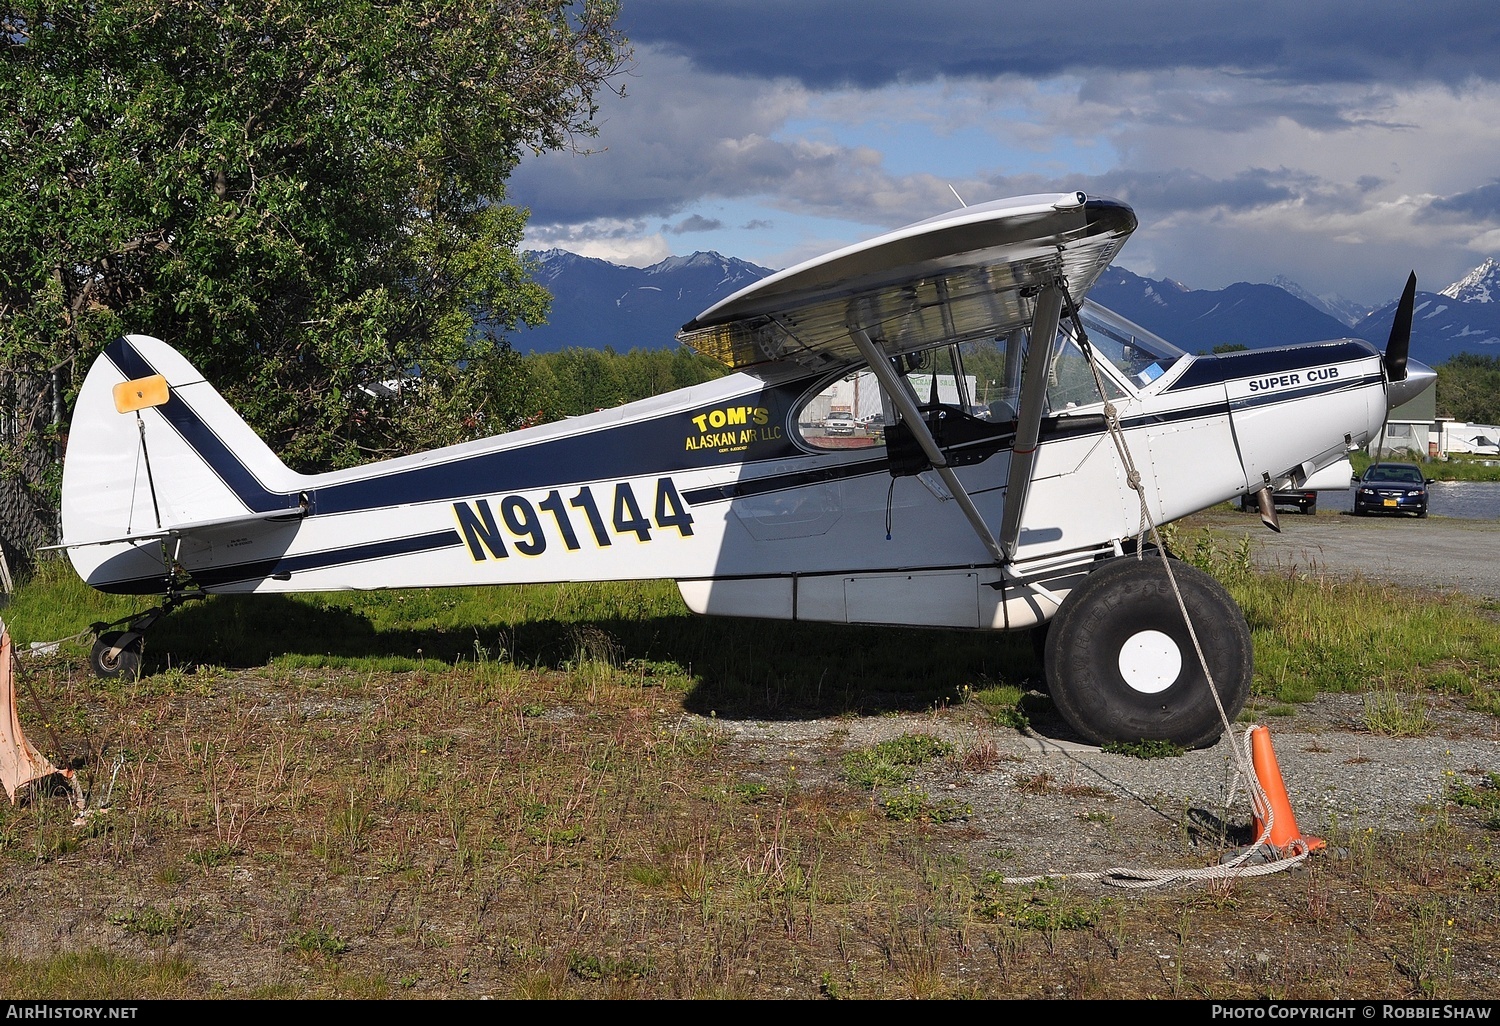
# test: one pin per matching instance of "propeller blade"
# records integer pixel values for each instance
(1400, 341)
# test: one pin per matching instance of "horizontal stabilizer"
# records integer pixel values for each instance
(184, 529)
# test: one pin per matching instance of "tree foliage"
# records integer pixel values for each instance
(579, 380)
(303, 196)
(1468, 388)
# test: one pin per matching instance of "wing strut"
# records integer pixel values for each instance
(900, 392)
(1029, 416)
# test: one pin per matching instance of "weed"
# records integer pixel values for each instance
(1145, 749)
(890, 762)
(913, 749)
(151, 921)
(215, 855)
(317, 941)
(1387, 712)
(1430, 964)
(1036, 783)
(647, 875)
(1041, 907)
(1002, 704)
(911, 804)
(1483, 797)
(595, 968)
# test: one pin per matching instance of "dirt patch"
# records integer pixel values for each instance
(458, 835)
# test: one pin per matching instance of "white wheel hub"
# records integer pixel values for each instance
(1150, 662)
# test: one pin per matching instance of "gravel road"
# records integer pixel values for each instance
(1440, 553)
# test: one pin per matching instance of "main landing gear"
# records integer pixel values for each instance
(1121, 665)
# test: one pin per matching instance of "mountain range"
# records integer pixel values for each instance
(597, 304)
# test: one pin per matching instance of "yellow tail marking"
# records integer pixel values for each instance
(140, 393)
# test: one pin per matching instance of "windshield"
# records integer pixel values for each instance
(1142, 356)
(981, 379)
(1394, 472)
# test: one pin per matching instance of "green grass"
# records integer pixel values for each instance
(892, 762)
(1313, 636)
(1146, 749)
(424, 793)
(1310, 636)
(1316, 635)
(640, 630)
(1482, 796)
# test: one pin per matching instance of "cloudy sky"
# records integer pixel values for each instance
(1342, 143)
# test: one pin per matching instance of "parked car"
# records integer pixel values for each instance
(1338, 476)
(1392, 488)
(1305, 501)
(839, 422)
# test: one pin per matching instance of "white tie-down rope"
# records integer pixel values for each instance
(1243, 761)
(1293, 854)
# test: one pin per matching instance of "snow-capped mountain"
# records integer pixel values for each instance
(1481, 285)
(1441, 327)
(597, 304)
(1198, 320)
(1333, 304)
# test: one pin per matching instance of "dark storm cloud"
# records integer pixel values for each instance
(1183, 190)
(869, 43)
(695, 223)
(1481, 204)
(1158, 193)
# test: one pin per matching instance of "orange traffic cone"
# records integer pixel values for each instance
(1283, 824)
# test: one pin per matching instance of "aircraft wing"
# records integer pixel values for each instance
(963, 275)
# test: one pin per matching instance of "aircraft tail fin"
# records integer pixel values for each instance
(154, 451)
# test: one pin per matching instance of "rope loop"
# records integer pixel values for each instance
(1243, 761)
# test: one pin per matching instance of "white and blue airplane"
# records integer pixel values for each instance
(1012, 446)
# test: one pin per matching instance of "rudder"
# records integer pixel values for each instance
(152, 449)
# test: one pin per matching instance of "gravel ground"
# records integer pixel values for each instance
(1102, 811)
(1437, 552)
(1052, 805)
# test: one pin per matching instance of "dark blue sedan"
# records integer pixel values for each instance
(1392, 488)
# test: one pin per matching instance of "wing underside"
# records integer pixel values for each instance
(967, 275)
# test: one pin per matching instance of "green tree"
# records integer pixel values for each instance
(1468, 388)
(303, 196)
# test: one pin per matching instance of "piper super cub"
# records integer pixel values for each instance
(930, 428)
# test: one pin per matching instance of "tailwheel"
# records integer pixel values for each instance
(117, 655)
(1121, 665)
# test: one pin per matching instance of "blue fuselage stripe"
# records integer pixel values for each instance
(659, 446)
(219, 457)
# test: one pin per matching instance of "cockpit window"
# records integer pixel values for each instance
(981, 380)
(1141, 356)
(847, 413)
